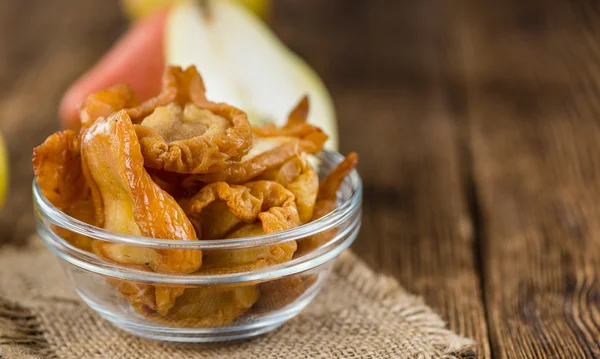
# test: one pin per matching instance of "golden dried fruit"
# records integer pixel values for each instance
(300, 178)
(170, 182)
(148, 299)
(186, 133)
(105, 102)
(180, 167)
(128, 201)
(244, 260)
(218, 207)
(268, 202)
(57, 166)
(272, 146)
(84, 211)
(208, 306)
(327, 202)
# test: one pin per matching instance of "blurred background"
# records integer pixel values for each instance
(395, 71)
(476, 122)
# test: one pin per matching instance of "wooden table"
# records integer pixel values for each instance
(478, 126)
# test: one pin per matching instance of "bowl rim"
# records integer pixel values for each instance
(333, 219)
(316, 258)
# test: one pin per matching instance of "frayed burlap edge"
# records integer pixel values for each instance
(388, 291)
(23, 336)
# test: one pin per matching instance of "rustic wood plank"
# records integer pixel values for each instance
(387, 67)
(533, 85)
(45, 46)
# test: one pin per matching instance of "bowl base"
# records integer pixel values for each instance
(236, 331)
(198, 338)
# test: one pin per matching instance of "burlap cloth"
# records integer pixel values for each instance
(359, 314)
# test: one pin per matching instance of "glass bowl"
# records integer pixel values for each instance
(205, 307)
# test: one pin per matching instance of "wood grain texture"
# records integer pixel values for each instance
(533, 86)
(388, 67)
(528, 125)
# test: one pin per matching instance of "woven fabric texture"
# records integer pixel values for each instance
(359, 314)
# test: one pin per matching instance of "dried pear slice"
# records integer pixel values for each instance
(267, 202)
(57, 166)
(208, 306)
(327, 202)
(105, 102)
(218, 207)
(272, 146)
(186, 133)
(128, 201)
(300, 178)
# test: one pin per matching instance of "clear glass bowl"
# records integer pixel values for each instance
(213, 307)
